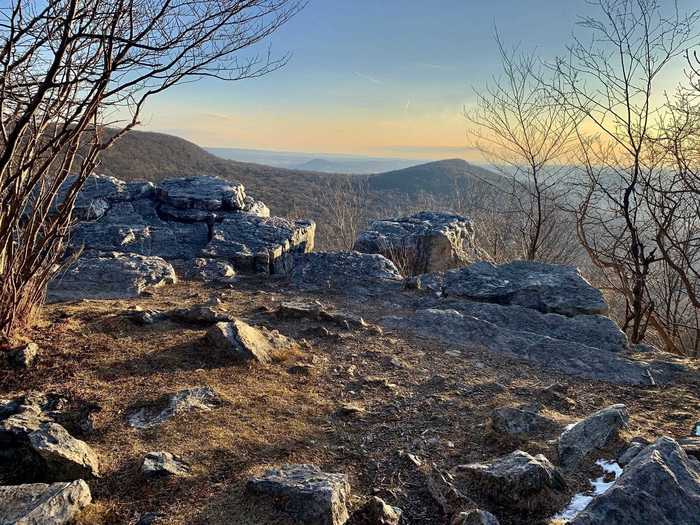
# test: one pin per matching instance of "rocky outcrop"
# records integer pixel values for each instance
(661, 485)
(163, 464)
(113, 275)
(350, 272)
(563, 355)
(548, 288)
(36, 448)
(596, 432)
(308, 494)
(421, 243)
(204, 218)
(199, 398)
(517, 480)
(546, 314)
(42, 504)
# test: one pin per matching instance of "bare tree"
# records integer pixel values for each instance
(608, 84)
(521, 129)
(344, 206)
(69, 69)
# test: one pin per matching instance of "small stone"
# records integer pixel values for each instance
(42, 504)
(520, 421)
(200, 398)
(151, 518)
(308, 494)
(377, 512)
(350, 409)
(201, 314)
(163, 464)
(475, 517)
(22, 356)
(146, 317)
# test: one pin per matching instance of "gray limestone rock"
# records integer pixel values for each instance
(201, 193)
(199, 398)
(475, 517)
(42, 504)
(307, 494)
(521, 421)
(163, 464)
(254, 244)
(110, 276)
(377, 512)
(593, 433)
(517, 480)
(661, 485)
(245, 342)
(36, 448)
(549, 288)
(22, 356)
(351, 272)
(424, 242)
(565, 356)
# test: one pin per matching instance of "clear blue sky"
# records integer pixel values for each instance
(376, 77)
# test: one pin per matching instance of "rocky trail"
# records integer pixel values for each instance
(200, 364)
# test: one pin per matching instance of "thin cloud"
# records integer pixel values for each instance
(430, 65)
(368, 78)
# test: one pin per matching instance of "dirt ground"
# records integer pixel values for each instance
(422, 405)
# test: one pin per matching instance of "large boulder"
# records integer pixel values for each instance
(306, 493)
(110, 276)
(198, 398)
(549, 288)
(424, 242)
(36, 448)
(661, 485)
(517, 480)
(351, 272)
(594, 433)
(42, 504)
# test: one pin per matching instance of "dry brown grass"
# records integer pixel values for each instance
(430, 403)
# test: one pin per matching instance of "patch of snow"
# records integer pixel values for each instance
(569, 426)
(697, 429)
(598, 486)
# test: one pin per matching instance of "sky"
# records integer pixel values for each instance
(385, 78)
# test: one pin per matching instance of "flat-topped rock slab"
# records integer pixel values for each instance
(548, 288)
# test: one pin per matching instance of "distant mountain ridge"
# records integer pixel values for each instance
(157, 156)
(321, 162)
